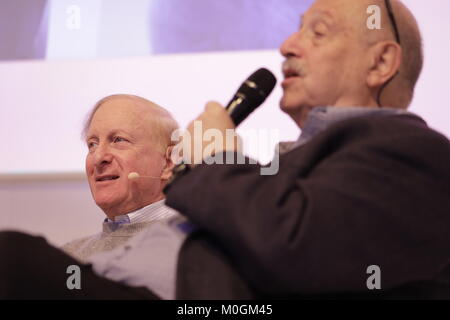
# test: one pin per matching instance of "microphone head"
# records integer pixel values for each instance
(251, 94)
(133, 175)
(264, 80)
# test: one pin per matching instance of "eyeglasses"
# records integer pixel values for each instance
(393, 21)
(397, 38)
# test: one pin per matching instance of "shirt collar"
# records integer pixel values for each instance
(320, 118)
(151, 212)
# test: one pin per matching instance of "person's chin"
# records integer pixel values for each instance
(289, 105)
(106, 202)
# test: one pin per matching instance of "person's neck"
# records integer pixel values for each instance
(367, 102)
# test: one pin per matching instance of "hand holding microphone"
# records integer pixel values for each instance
(208, 129)
(250, 95)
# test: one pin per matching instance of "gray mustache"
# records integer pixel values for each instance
(293, 66)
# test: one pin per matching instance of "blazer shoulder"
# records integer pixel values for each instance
(402, 127)
(405, 138)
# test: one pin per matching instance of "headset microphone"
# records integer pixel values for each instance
(135, 175)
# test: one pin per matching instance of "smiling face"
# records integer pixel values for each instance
(325, 59)
(121, 139)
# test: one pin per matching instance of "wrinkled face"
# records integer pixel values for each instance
(324, 63)
(120, 140)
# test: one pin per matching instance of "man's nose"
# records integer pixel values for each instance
(102, 155)
(291, 46)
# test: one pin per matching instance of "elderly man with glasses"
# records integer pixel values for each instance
(360, 206)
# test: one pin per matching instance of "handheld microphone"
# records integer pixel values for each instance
(251, 94)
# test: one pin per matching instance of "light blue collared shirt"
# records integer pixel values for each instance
(152, 212)
(320, 118)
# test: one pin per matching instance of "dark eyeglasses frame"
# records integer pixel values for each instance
(393, 21)
(397, 38)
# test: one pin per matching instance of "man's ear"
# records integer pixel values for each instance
(167, 170)
(386, 59)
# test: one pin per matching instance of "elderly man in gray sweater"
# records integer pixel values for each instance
(126, 134)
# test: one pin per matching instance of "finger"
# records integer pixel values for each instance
(214, 107)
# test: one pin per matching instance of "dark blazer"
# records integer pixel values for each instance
(366, 191)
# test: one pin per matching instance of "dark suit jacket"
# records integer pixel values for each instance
(366, 191)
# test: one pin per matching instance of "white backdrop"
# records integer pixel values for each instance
(47, 100)
(43, 104)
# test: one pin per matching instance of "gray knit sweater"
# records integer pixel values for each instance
(112, 236)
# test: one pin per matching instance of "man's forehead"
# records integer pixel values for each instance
(317, 12)
(322, 8)
(347, 13)
(124, 108)
(118, 114)
(339, 8)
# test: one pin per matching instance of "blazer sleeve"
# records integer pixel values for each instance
(337, 206)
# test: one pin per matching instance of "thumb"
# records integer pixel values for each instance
(214, 107)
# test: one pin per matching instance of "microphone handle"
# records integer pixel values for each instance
(236, 108)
